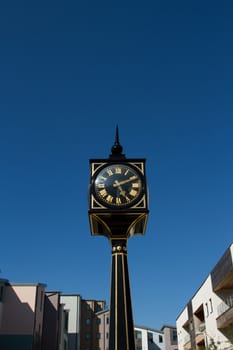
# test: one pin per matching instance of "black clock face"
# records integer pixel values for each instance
(118, 186)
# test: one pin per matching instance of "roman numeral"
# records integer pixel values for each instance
(100, 185)
(133, 193)
(118, 171)
(109, 198)
(135, 185)
(118, 201)
(103, 193)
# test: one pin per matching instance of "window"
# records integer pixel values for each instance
(98, 321)
(66, 320)
(1, 293)
(211, 306)
(98, 335)
(174, 335)
(107, 320)
(88, 321)
(88, 335)
(150, 337)
(160, 339)
(98, 307)
(138, 335)
(207, 310)
(88, 307)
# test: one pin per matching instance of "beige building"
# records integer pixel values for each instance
(34, 319)
(21, 315)
(208, 317)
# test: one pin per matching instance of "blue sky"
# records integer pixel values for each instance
(69, 73)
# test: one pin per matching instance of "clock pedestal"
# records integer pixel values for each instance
(121, 333)
(118, 210)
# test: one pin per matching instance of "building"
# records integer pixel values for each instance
(21, 315)
(53, 335)
(208, 317)
(148, 339)
(71, 321)
(170, 337)
(104, 328)
(34, 319)
(91, 335)
(145, 338)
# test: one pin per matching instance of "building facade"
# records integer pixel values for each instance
(34, 319)
(170, 337)
(91, 325)
(21, 315)
(207, 319)
(71, 321)
(148, 339)
(52, 331)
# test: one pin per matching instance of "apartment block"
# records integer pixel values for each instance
(148, 339)
(34, 319)
(170, 337)
(207, 319)
(71, 321)
(21, 315)
(91, 327)
(52, 332)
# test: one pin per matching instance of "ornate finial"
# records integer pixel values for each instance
(117, 148)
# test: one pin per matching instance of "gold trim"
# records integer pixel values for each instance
(97, 205)
(134, 223)
(95, 166)
(116, 298)
(139, 166)
(124, 292)
(99, 220)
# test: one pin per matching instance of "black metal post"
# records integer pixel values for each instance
(121, 315)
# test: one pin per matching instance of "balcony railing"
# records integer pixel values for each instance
(225, 305)
(187, 339)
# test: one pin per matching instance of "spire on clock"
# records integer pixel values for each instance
(117, 148)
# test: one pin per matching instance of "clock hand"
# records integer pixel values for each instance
(118, 183)
(122, 192)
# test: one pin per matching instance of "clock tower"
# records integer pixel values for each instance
(118, 210)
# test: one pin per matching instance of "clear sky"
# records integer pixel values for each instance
(70, 71)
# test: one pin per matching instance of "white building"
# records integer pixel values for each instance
(72, 306)
(208, 317)
(148, 339)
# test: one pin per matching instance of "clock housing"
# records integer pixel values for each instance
(118, 185)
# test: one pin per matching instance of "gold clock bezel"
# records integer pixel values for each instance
(112, 202)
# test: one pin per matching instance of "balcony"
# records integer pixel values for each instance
(187, 342)
(200, 338)
(225, 313)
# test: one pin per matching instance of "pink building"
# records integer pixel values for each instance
(21, 315)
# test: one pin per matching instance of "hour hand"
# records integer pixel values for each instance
(122, 192)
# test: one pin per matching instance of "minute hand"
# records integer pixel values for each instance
(119, 183)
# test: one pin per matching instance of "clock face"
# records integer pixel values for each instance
(118, 186)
